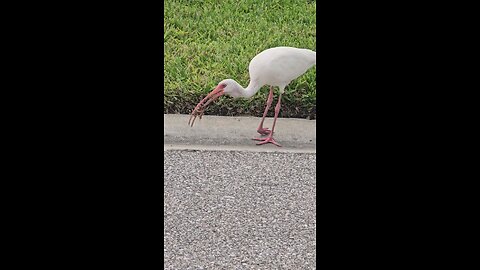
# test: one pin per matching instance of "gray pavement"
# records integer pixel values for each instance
(237, 131)
(230, 204)
(239, 210)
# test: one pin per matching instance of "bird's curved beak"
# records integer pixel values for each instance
(200, 108)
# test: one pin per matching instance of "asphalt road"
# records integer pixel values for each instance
(239, 210)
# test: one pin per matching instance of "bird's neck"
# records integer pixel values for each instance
(251, 89)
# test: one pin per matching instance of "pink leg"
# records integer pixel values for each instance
(261, 129)
(270, 139)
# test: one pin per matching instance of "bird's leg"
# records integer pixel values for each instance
(270, 139)
(261, 129)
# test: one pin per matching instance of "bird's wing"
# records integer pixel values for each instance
(281, 65)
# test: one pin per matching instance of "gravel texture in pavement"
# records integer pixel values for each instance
(239, 210)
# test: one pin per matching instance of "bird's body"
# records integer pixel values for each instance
(275, 67)
(281, 65)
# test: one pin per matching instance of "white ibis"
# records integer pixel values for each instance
(275, 67)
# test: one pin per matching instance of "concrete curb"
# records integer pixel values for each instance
(237, 131)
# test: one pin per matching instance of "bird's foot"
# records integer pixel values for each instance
(264, 131)
(268, 139)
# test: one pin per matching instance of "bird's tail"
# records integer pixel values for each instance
(313, 56)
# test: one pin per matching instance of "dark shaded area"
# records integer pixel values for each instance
(294, 105)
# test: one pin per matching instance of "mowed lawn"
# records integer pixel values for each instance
(208, 41)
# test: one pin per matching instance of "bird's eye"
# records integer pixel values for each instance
(224, 85)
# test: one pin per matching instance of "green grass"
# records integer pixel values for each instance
(208, 41)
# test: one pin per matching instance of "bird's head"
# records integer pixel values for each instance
(226, 87)
(230, 87)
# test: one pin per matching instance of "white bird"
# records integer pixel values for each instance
(275, 67)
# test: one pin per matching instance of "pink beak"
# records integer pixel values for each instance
(200, 108)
